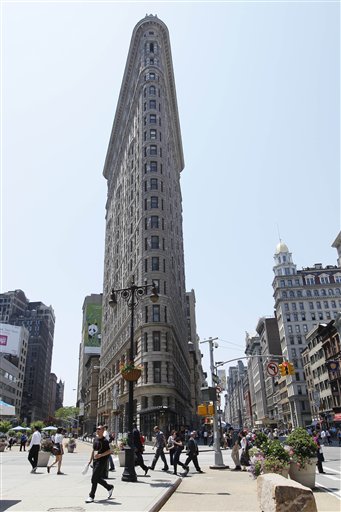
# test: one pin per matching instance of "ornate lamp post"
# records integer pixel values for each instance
(131, 296)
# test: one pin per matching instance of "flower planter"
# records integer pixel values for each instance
(2, 447)
(43, 459)
(305, 476)
(132, 375)
(284, 472)
(122, 458)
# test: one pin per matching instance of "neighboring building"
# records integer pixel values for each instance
(256, 376)
(59, 394)
(39, 319)
(144, 238)
(196, 371)
(235, 410)
(337, 245)
(13, 353)
(303, 298)
(90, 346)
(52, 395)
(322, 374)
(90, 375)
(270, 349)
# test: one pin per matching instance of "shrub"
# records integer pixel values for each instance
(302, 447)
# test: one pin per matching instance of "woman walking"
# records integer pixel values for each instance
(178, 447)
(58, 451)
(170, 447)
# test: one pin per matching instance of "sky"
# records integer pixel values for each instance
(258, 89)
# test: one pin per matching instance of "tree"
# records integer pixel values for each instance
(67, 413)
(5, 426)
(38, 423)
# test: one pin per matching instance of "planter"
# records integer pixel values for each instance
(43, 459)
(122, 458)
(305, 476)
(2, 447)
(132, 375)
(284, 472)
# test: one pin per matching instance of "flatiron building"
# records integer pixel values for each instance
(144, 241)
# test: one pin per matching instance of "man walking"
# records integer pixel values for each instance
(34, 448)
(139, 450)
(160, 443)
(99, 457)
(107, 437)
(192, 453)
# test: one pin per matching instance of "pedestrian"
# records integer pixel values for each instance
(329, 437)
(323, 437)
(205, 435)
(139, 449)
(110, 459)
(192, 452)
(319, 453)
(178, 447)
(23, 441)
(58, 451)
(34, 448)
(235, 456)
(245, 457)
(99, 457)
(339, 435)
(160, 443)
(170, 447)
(210, 438)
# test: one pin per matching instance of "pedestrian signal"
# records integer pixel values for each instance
(210, 409)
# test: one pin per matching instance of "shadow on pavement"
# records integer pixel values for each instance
(6, 504)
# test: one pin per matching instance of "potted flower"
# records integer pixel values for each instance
(71, 445)
(256, 462)
(44, 452)
(119, 450)
(274, 465)
(269, 457)
(302, 451)
(3, 443)
(130, 371)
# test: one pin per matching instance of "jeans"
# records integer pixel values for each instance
(159, 453)
(97, 477)
(192, 457)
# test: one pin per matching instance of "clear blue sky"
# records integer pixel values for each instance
(258, 87)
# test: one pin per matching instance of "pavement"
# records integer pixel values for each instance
(158, 491)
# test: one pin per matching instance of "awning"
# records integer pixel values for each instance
(6, 409)
(337, 416)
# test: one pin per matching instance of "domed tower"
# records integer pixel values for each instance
(284, 265)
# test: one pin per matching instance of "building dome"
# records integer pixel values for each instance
(281, 247)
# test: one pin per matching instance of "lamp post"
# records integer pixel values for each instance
(131, 295)
(218, 457)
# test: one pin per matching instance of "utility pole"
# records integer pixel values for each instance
(218, 457)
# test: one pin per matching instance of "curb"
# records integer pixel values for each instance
(165, 497)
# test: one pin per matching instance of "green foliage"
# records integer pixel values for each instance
(276, 450)
(65, 413)
(260, 439)
(39, 424)
(5, 426)
(302, 446)
(275, 464)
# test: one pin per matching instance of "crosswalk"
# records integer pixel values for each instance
(332, 476)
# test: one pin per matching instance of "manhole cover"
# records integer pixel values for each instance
(66, 509)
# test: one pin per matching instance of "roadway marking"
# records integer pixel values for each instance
(337, 494)
(332, 469)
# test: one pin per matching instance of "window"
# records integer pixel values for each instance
(153, 150)
(145, 374)
(152, 90)
(318, 305)
(155, 263)
(305, 328)
(153, 166)
(310, 280)
(325, 304)
(316, 293)
(151, 76)
(324, 279)
(152, 103)
(146, 342)
(290, 329)
(294, 307)
(301, 306)
(156, 313)
(153, 184)
(297, 328)
(146, 314)
(157, 371)
(152, 119)
(154, 202)
(152, 134)
(154, 222)
(311, 305)
(156, 341)
(308, 293)
(154, 242)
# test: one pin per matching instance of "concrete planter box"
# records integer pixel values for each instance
(43, 459)
(305, 476)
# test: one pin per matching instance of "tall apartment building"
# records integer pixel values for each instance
(303, 298)
(13, 354)
(39, 320)
(144, 238)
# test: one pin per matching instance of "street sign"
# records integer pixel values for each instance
(215, 378)
(272, 369)
(218, 389)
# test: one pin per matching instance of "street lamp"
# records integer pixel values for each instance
(131, 295)
(218, 457)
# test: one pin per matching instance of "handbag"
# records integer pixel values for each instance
(56, 449)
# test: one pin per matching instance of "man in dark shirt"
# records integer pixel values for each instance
(160, 443)
(192, 453)
(99, 457)
(139, 450)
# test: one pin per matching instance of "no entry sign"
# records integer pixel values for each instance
(272, 369)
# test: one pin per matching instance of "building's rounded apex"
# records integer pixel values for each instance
(281, 247)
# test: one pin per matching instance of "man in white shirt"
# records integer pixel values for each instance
(34, 449)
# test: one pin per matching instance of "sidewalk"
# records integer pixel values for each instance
(215, 490)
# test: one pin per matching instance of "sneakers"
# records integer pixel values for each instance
(34, 470)
(89, 500)
(165, 469)
(201, 471)
(110, 492)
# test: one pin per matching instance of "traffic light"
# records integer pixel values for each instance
(282, 370)
(202, 410)
(291, 369)
(210, 409)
